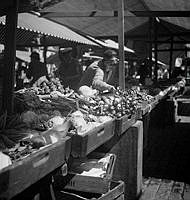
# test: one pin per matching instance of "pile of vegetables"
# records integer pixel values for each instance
(41, 121)
(12, 130)
(47, 87)
(117, 104)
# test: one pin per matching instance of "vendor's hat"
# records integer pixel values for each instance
(109, 54)
(65, 50)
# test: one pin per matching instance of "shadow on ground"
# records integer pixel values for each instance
(168, 153)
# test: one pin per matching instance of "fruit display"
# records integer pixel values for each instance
(116, 104)
(45, 115)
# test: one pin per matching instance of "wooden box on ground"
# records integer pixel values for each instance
(84, 144)
(20, 175)
(116, 192)
(90, 174)
(182, 109)
(123, 123)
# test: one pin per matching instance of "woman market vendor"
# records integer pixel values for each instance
(102, 74)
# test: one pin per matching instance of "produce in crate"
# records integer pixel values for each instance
(47, 87)
(12, 129)
(116, 104)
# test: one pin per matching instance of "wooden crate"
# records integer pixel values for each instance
(145, 108)
(182, 108)
(20, 175)
(153, 104)
(116, 192)
(91, 174)
(82, 145)
(123, 123)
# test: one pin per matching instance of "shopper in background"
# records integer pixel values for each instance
(21, 76)
(36, 68)
(143, 72)
(102, 74)
(69, 70)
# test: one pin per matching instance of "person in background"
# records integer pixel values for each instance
(178, 69)
(36, 68)
(143, 72)
(21, 73)
(69, 70)
(102, 74)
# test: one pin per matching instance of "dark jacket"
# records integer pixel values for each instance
(97, 77)
(70, 73)
(36, 70)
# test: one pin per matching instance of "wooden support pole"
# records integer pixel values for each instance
(171, 57)
(121, 43)
(45, 54)
(9, 59)
(45, 50)
(150, 44)
(155, 48)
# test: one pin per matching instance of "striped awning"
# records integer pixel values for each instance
(31, 26)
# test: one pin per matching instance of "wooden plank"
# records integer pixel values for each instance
(150, 192)
(164, 190)
(128, 167)
(82, 145)
(146, 120)
(177, 191)
(146, 182)
(114, 192)
(124, 123)
(121, 197)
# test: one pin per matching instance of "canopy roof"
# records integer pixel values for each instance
(99, 17)
(31, 26)
(110, 44)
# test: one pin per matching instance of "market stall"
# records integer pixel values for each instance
(90, 145)
(59, 121)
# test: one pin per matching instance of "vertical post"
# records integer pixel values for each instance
(9, 59)
(121, 43)
(45, 50)
(155, 50)
(150, 45)
(45, 54)
(171, 56)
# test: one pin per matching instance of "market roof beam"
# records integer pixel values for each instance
(93, 13)
(174, 49)
(173, 13)
(168, 42)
